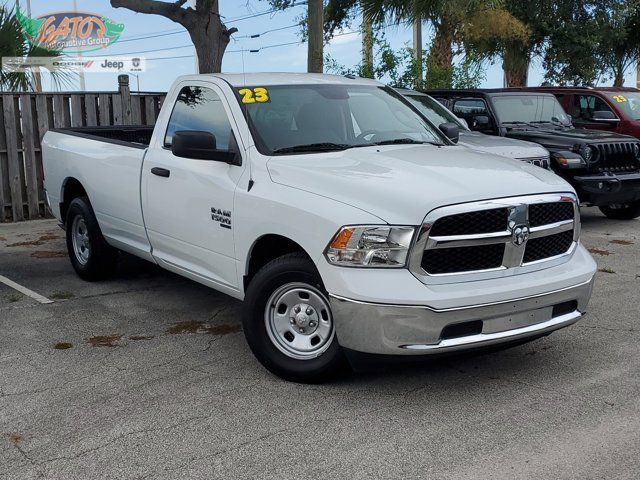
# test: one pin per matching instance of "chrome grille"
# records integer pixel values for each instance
(484, 221)
(463, 259)
(615, 157)
(496, 237)
(547, 247)
(546, 213)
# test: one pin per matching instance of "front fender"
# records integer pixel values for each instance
(305, 218)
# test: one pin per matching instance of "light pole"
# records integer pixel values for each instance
(82, 83)
(37, 77)
(137, 80)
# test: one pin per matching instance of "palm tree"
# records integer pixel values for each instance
(455, 22)
(13, 43)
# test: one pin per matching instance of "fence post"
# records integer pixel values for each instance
(125, 95)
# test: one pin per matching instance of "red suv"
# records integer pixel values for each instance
(615, 109)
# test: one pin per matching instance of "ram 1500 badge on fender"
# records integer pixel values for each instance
(355, 226)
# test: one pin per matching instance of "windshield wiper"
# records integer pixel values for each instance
(549, 122)
(517, 122)
(405, 141)
(313, 147)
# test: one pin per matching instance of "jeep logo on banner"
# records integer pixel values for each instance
(71, 32)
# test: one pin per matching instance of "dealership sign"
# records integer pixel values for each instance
(71, 32)
(116, 64)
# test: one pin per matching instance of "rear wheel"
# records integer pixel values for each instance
(622, 211)
(91, 256)
(288, 322)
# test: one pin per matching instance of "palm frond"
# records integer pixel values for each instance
(13, 43)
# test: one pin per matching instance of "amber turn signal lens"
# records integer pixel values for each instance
(342, 239)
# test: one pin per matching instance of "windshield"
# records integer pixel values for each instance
(628, 102)
(530, 109)
(315, 118)
(435, 112)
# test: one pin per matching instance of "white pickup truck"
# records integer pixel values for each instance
(344, 219)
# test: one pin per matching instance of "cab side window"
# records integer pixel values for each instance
(584, 106)
(200, 109)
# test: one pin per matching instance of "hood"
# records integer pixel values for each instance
(558, 138)
(506, 147)
(401, 184)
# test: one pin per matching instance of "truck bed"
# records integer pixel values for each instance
(137, 136)
(107, 163)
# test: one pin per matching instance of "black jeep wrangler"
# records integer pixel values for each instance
(603, 167)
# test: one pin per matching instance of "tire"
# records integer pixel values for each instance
(90, 254)
(622, 211)
(288, 324)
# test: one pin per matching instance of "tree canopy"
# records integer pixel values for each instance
(14, 44)
(576, 43)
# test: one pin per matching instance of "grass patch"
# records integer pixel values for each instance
(104, 340)
(16, 439)
(621, 242)
(63, 346)
(48, 254)
(36, 243)
(606, 270)
(137, 338)
(598, 251)
(201, 327)
(61, 295)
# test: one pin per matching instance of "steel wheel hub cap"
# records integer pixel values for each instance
(298, 321)
(80, 240)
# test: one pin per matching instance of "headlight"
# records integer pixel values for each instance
(587, 154)
(636, 150)
(370, 246)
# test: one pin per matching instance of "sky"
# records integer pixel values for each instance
(160, 41)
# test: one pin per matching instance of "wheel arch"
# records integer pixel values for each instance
(71, 188)
(266, 248)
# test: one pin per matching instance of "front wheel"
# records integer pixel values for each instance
(622, 211)
(288, 322)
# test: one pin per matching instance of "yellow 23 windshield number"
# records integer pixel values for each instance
(254, 95)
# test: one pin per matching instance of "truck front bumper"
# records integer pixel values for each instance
(607, 189)
(420, 330)
(393, 313)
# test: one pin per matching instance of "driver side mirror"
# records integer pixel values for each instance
(481, 121)
(199, 145)
(606, 116)
(451, 131)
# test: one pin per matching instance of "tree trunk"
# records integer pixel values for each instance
(367, 47)
(417, 51)
(208, 34)
(210, 41)
(618, 81)
(440, 59)
(618, 73)
(515, 64)
(315, 24)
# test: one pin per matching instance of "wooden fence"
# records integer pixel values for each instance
(26, 117)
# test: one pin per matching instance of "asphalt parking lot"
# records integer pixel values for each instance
(148, 376)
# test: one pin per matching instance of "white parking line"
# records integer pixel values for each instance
(24, 290)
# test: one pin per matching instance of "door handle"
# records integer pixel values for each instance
(161, 172)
